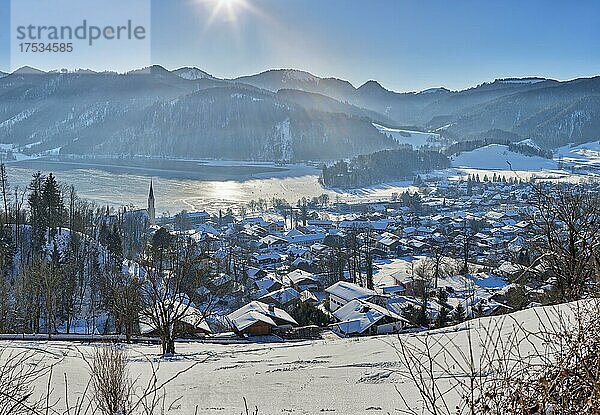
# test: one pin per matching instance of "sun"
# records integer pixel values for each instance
(227, 8)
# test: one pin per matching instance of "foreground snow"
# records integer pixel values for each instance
(344, 376)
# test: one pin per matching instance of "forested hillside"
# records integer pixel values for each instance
(382, 166)
(280, 115)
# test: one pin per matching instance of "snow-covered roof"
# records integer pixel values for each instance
(282, 296)
(308, 296)
(246, 320)
(349, 291)
(293, 232)
(272, 239)
(358, 315)
(191, 315)
(311, 237)
(298, 276)
(256, 311)
(266, 282)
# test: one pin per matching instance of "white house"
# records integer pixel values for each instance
(342, 292)
(359, 317)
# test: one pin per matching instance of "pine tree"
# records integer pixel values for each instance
(52, 204)
(442, 318)
(4, 186)
(36, 212)
(460, 314)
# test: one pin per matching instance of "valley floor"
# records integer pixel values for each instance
(342, 376)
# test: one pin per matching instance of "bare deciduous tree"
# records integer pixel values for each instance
(567, 219)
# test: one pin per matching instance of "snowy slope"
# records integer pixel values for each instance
(415, 138)
(521, 80)
(342, 376)
(583, 155)
(496, 156)
(192, 74)
(529, 143)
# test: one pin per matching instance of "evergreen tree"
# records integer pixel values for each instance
(52, 204)
(442, 318)
(459, 314)
(307, 314)
(36, 213)
(5, 188)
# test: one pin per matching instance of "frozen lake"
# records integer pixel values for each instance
(190, 185)
(219, 184)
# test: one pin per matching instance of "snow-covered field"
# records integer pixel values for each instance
(415, 138)
(342, 376)
(583, 155)
(571, 163)
(496, 156)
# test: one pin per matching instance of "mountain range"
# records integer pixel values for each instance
(281, 114)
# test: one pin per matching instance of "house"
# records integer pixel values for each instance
(359, 317)
(259, 319)
(342, 292)
(269, 283)
(305, 239)
(325, 224)
(271, 241)
(266, 258)
(190, 324)
(255, 273)
(308, 297)
(388, 243)
(286, 298)
(302, 280)
(198, 218)
(276, 227)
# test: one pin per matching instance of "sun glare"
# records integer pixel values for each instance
(228, 9)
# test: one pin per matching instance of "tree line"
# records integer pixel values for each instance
(382, 166)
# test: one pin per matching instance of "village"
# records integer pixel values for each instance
(447, 252)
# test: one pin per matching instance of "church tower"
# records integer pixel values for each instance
(151, 210)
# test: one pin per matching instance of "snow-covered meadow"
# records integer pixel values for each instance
(334, 375)
(415, 138)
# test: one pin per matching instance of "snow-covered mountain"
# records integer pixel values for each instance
(192, 74)
(439, 90)
(521, 80)
(28, 70)
(274, 80)
(109, 113)
(153, 111)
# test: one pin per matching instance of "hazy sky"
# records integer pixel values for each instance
(404, 44)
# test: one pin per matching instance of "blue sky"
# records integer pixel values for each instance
(405, 44)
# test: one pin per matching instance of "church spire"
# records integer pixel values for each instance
(151, 209)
